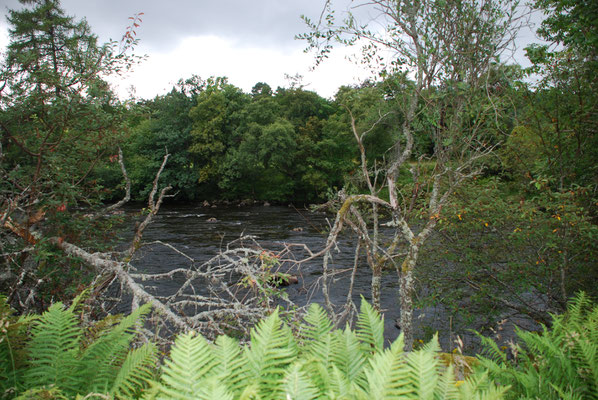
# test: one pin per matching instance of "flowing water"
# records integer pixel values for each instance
(200, 232)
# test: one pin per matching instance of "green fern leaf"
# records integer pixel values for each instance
(134, 372)
(108, 352)
(272, 350)
(348, 356)
(423, 370)
(298, 386)
(250, 392)
(53, 349)
(231, 364)
(318, 372)
(370, 328)
(386, 375)
(317, 324)
(446, 388)
(212, 388)
(191, 361)
(479, 387)
(338, 385)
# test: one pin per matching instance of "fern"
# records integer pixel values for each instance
(386, 377)
(298, 386)
(53, 349)
(56, 366)
(560, 362)
(317, 326)
(370, 328)
(134, 372)
(274, 366)
(191, 361)
(108, 352)
(272, 350)
(211, 389)
(423, 370)
(231, 365)
(479, 386)
(348, 356)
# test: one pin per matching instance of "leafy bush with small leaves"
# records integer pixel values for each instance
(322, 363)
(557, 363)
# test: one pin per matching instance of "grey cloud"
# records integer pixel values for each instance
(258, 23)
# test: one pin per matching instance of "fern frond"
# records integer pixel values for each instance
(491, 350)
(577, 309)
(212, 388)
(53, 349)
(387, 376)
(318, 372)
(134, 372)
(231, 364)
(338, 384)
(370, 328)
(587, 354)
(316, 324)
(316, 332)
(446, 388)
(250, 392)
(76, 304)
(272, 350)
(558, 362)
(298, 386)
(348, 356)
(108, 352)
(191, 360)
(323, 349)
(478, 386)
(424, 370)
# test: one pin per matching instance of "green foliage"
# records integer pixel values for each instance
(506, 243)
(59, 116)
(325, 364)
(13, 339)
(571, 23)
(59, 360)
(557, 363)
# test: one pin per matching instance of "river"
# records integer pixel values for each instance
(201, 232)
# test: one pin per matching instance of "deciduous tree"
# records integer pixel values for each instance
(448, 50)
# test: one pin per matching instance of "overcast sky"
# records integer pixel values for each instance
(247, 41)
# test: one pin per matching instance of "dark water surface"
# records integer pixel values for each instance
(188, 228)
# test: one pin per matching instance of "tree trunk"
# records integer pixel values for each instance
(406, 293)
(376, 285)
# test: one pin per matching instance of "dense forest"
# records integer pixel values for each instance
(484, 173)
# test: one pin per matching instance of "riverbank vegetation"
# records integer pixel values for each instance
(312, 360)
(485, 172)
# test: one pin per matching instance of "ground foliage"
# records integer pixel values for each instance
(57, 359)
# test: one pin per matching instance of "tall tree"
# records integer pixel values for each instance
(215, 118)
(58, 117)
(449, 49)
